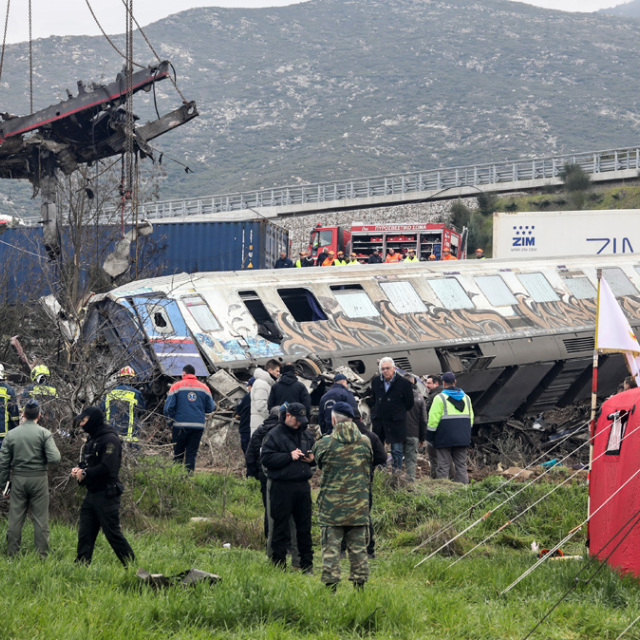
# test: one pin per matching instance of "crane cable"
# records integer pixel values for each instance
(107, 38)
(511, 497)
(470, 509)
(4, 38)
(594, 557)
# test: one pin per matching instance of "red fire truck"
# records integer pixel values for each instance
(425, 239)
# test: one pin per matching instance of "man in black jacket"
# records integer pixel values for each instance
(393, 397)
(289, 389)
(98, 472)
(287, 459)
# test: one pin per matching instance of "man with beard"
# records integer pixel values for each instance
(98, 472)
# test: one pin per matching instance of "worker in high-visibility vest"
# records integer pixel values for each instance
(123, 405)
(51, 411)
(9, 412)
(393, 256)
(411, 256)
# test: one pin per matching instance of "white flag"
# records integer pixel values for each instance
(613, 331)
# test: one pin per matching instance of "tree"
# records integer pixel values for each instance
(460, 215)
(577, 183)
(487, 203)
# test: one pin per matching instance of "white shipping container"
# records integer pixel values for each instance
(546, 234)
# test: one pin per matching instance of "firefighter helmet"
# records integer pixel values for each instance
(38, 372)
(126, 372)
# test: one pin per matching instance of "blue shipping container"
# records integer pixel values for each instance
(173, 247)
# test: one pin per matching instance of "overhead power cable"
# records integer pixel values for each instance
(470, 509)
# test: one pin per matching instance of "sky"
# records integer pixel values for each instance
(75, 18)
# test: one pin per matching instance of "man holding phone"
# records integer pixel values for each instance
(287, 459)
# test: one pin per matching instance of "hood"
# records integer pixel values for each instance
(95, 422)
(288, 378)
(265, 376)
(454, 393)
(346, 432)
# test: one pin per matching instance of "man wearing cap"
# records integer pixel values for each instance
(99, 473)
(337, 392)
(446, 255)
(392, 398)
(375, 257)
(289, 389)
(287, 458)
(479, 254)
(329, 260)
(345, 458)
(304, 260)
(340, 261)
(411, 256)
(353, 260)
(449, 428)
(27, 451)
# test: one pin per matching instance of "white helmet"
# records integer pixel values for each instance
(1, 371)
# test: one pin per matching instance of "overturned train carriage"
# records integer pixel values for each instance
(519, 335)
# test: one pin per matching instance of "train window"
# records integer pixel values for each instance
(354, 301)
(581, 288)
(267, 328)
(451, 293)
(538, 287)
(403, 297)
(495, 290)
(160, 319)
(302, 304)
(201, 313)
(618, 281)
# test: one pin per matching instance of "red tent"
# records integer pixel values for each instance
(614, 490)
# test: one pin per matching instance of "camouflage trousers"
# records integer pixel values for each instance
(357, 539)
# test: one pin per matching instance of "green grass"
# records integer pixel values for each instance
(57, 599)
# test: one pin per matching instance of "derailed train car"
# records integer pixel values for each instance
(518, 334)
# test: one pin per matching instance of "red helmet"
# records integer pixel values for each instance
(126, 372)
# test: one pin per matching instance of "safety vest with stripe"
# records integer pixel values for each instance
(9, 418)
(118, 398)
(449, 427)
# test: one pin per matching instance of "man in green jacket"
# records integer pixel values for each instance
(449, 428)
(345, 458)
(25, 454)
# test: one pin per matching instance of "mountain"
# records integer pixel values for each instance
(336, 89)
(628, 9)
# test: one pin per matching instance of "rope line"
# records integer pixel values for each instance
(470, 509)
(627, 628)
(568, 536)
(635, 516)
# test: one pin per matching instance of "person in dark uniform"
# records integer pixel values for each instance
(98, 472)
(123, 406)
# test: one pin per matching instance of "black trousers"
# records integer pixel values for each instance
(99, 512)
(291, 499)
(186, 444)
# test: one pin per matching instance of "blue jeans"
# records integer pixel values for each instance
(397, 452)
(186, 444)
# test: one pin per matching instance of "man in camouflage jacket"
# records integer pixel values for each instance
(345, 458)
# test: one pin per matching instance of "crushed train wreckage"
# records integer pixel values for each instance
(518, 335)
(81, 130)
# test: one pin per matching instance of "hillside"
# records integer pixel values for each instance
(347, 88)
(628, 9)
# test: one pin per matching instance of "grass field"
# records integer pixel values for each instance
(57, 599)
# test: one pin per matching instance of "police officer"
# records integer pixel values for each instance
(449, 428)
(9, 412)
(123, 405)
(98, 472)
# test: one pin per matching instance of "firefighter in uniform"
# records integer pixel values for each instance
(123, 405)
(45, 394)
(9, 412)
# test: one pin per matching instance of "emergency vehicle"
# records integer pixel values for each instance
(425, 238)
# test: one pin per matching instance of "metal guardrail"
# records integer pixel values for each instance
(480, 176)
